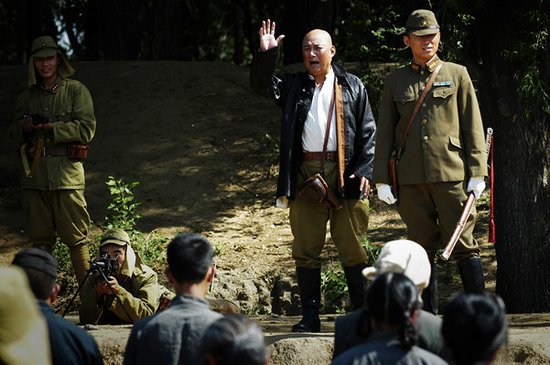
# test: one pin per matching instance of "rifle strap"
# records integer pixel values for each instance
(417, 108)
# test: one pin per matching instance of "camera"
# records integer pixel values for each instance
(105, 265)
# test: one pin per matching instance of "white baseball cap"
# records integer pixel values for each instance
(405, 257)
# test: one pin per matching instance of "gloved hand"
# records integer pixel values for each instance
(385, 194)
(476, 185)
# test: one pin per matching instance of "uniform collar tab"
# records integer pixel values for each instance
(430, 65)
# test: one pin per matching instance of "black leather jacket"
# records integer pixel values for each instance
(294, 93)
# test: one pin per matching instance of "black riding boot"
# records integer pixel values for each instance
(356, 285)
(430, 295)
(471, 273)
(309, 283)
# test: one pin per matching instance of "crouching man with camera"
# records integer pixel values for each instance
(120, 288)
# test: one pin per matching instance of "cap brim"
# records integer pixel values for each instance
(46, 52)
(369, 272)
(423, 32)
(113, 242)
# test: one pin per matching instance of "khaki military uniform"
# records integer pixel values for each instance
(53, 197)
(138, 289)
(445, 148)
(139, 296)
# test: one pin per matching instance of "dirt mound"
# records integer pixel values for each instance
(202, 147)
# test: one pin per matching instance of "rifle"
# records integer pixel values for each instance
(467, 210)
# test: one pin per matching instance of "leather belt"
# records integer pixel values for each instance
(55, 151)
(318, 156)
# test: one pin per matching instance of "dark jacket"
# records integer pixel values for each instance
(350, 331)
(69, 343)
(294, 93)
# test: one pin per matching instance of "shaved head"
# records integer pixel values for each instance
(318, 35)
(317, 52)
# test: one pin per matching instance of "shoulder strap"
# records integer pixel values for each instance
(417, 108)
(327, 130)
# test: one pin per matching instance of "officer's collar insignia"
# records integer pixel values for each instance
(432, 64)
(52, 89)
(415, 67)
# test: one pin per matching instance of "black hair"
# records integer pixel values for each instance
(40, 283)
(392, 299)
(234, 340)
(474, 327)
(189, 257)
(40, 268)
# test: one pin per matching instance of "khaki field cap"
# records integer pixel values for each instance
(403, 257)
(422, 22)
(44, 46)
(115, 236)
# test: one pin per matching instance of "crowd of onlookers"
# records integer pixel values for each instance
(390, 328)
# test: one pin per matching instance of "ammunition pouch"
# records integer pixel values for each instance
(316, 190)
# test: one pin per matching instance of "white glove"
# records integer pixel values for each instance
(476, 185)
(385, 194)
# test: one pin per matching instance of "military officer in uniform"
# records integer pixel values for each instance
(444, 158)
(54, 123)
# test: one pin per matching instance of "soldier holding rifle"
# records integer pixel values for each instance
(442, 154)
(54, 123)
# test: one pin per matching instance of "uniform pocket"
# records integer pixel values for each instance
(455, 143)
(443, 92)
(404, 98)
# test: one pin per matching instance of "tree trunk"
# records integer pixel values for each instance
(167, 30)
(521, 163)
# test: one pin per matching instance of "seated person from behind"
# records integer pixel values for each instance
(135, 285)
(475, 328)
(392, 310)
(410, 259)
(234, 339)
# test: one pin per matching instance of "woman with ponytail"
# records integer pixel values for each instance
(392, 303)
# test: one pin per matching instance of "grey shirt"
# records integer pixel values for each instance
(172, 336)
(348, 332)
(384, 348)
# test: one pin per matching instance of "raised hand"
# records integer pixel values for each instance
(267, 36)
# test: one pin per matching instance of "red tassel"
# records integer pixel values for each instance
(492, 237)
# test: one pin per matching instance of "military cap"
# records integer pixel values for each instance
(115, 236)
(35, 258)
(43, 46)
(422, 22)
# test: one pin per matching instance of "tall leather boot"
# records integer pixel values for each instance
(471, 273)
(356, 285)
(430, 295)
(309, 283)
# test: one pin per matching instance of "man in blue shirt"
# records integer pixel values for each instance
(69, 343)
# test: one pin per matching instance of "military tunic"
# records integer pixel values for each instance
(139, 296)
(53, 197)
(445, 147)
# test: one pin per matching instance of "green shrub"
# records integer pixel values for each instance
(334, 288)
(123, 207)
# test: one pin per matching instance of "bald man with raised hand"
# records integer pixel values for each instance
(327, 128)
